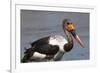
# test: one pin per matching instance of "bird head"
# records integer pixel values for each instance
(70, 27)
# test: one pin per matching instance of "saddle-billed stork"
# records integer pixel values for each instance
(52, 48)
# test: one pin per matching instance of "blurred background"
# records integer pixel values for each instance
(39, 24)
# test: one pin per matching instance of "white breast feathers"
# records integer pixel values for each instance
(58, 40)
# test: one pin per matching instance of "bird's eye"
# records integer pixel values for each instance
(68, 23)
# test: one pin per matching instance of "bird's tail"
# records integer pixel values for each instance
(28, 54)
(25, 58)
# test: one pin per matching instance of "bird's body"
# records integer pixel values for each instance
(50, 48)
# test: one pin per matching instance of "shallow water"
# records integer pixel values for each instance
(38, 24)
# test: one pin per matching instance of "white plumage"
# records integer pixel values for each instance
(58, 40)
(37, 55)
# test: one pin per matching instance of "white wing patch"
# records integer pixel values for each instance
(37, 55)
(58, 40)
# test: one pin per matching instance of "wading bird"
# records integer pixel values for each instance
(52, 48)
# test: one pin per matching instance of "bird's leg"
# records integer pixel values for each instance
(58, 56)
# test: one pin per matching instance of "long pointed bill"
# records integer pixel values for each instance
(77, 38)
(79, 41)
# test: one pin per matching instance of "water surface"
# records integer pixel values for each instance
(38, 24)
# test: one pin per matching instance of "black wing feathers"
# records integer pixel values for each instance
(47, 49)
(42, 46)
(42, 41)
